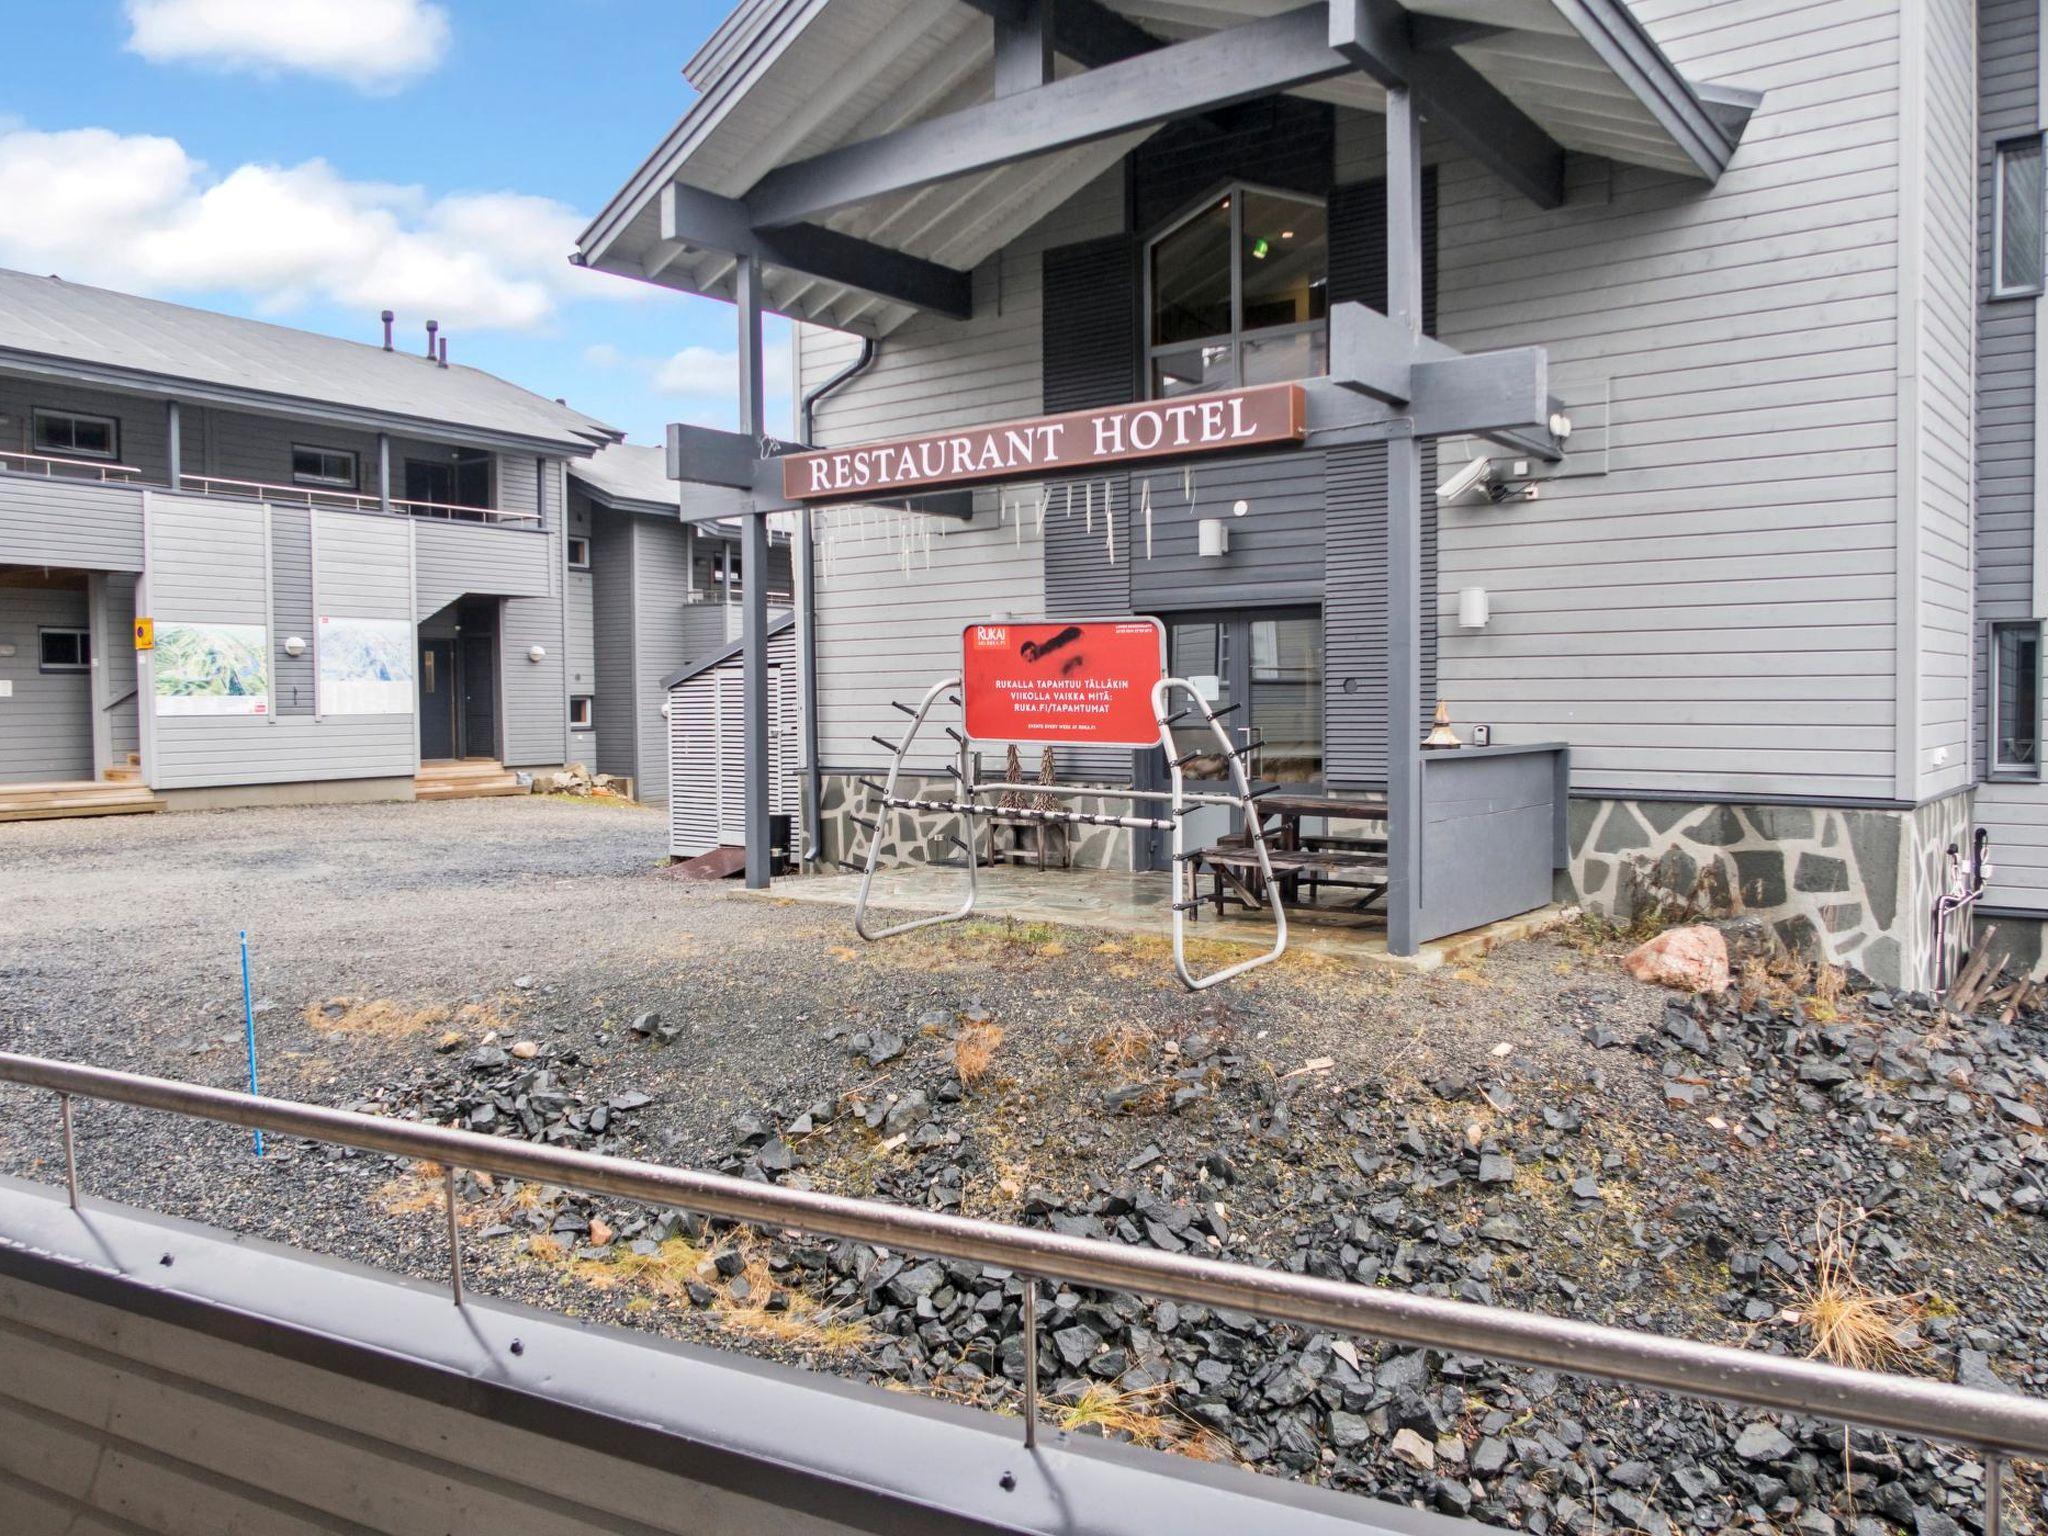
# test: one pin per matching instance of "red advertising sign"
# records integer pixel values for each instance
(1085, 682)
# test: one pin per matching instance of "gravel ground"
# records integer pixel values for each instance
(1538, 1131)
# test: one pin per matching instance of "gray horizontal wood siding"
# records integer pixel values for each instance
(1711, 603)
(208, 563)
(581, 644)
(144, 430)
(117, 657)
(668, 632)
(45, 717)
(480, 560)
(80, 526)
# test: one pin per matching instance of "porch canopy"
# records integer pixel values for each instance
(870, 153)
(850, 161)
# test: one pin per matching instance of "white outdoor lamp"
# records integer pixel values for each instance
(1474, 608)
(1212, 538)
(295, 645)
(537, 654)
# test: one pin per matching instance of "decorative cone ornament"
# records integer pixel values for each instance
(1441, 736)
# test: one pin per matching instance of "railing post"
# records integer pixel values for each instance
(70, 1150)
(1994, 1493)
(1031, 1365)
(454, 1235)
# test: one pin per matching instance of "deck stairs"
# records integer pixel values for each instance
(77, 797)
(465, 778)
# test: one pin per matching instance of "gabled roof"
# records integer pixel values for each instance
(783, 81)
(69, 330)
(633, 477)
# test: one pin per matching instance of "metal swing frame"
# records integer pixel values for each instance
(1179, 801)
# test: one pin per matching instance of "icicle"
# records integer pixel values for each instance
(1187, 482)
(1044, 502)
(1088, 506)
(1109, 522)
(1145, 506)
(1070, 498)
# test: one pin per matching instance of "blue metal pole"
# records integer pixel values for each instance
(249, 1024)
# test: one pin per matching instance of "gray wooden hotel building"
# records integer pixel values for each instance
(1780, 591)
(368, 572)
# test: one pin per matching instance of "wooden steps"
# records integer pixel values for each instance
(75, 797)
(468, 778)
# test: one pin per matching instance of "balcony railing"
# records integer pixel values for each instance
(349, 501)
(52, 468)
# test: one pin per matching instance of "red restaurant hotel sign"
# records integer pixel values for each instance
(1261, 416)
(1088, 682)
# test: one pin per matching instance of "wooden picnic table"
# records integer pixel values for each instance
(1352, 860)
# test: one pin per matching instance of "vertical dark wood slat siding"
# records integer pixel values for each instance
(1091, 331)
(1355, 543)
(1278, 142)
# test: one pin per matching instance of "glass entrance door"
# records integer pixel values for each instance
(1269, 662)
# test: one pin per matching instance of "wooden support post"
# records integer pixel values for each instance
(1405, 606)
(754, 579)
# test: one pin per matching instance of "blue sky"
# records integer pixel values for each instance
(313, 161)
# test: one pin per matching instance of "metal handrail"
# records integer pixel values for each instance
(352, 501)
(101, 469)
(1997, 1425)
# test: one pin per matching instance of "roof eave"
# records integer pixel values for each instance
(577, 443)
(704, 664)
(1705, 136)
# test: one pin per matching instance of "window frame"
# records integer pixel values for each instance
(588, 722)
(1238, 335)
(40, 414)
(328, 482)
(82, 635)
(2000, 288)
(1996, 765)
(573, 540)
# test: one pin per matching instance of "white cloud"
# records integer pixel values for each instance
(374, 45)
(137, 212)
(706, 374)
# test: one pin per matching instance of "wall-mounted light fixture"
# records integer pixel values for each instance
(1474, 609)
(1212, 538)
(537, 653)
(295, 645)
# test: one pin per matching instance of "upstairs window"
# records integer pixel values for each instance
(1237, 293)
(2016, 699)
(68, 435)
(2017, 219)
(323, 466)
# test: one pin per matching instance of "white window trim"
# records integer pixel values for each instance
(574, 563)
(354, 467)
(1236, 337)
(84, 645)
(1997, 766)
(589, 720)
(112, 423)
(2000, 289)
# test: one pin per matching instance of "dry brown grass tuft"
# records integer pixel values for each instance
(418, 1189)
(974, 1052)
(1829, 983)
(1127, 1415)
(1122, 1047)
(1847, 1321)
(390, 1019)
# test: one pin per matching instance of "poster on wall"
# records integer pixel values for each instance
(365, 666)
(211, 669)
(1085, 682)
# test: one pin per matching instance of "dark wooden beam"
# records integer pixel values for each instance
(1086, 31)
(1024, 44)
(1377, 36)
(706, 221)
(1260, 58)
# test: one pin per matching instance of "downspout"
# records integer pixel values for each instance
(806, 607)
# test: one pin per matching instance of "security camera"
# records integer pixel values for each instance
(1477, 475)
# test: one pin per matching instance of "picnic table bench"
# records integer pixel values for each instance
(1356, 861)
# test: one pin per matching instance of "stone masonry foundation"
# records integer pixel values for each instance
(1852, 887)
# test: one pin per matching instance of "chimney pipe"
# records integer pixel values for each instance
(444, 352)
(432, 326)
(388, 317)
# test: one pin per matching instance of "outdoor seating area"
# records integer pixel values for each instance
(1306, 859)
